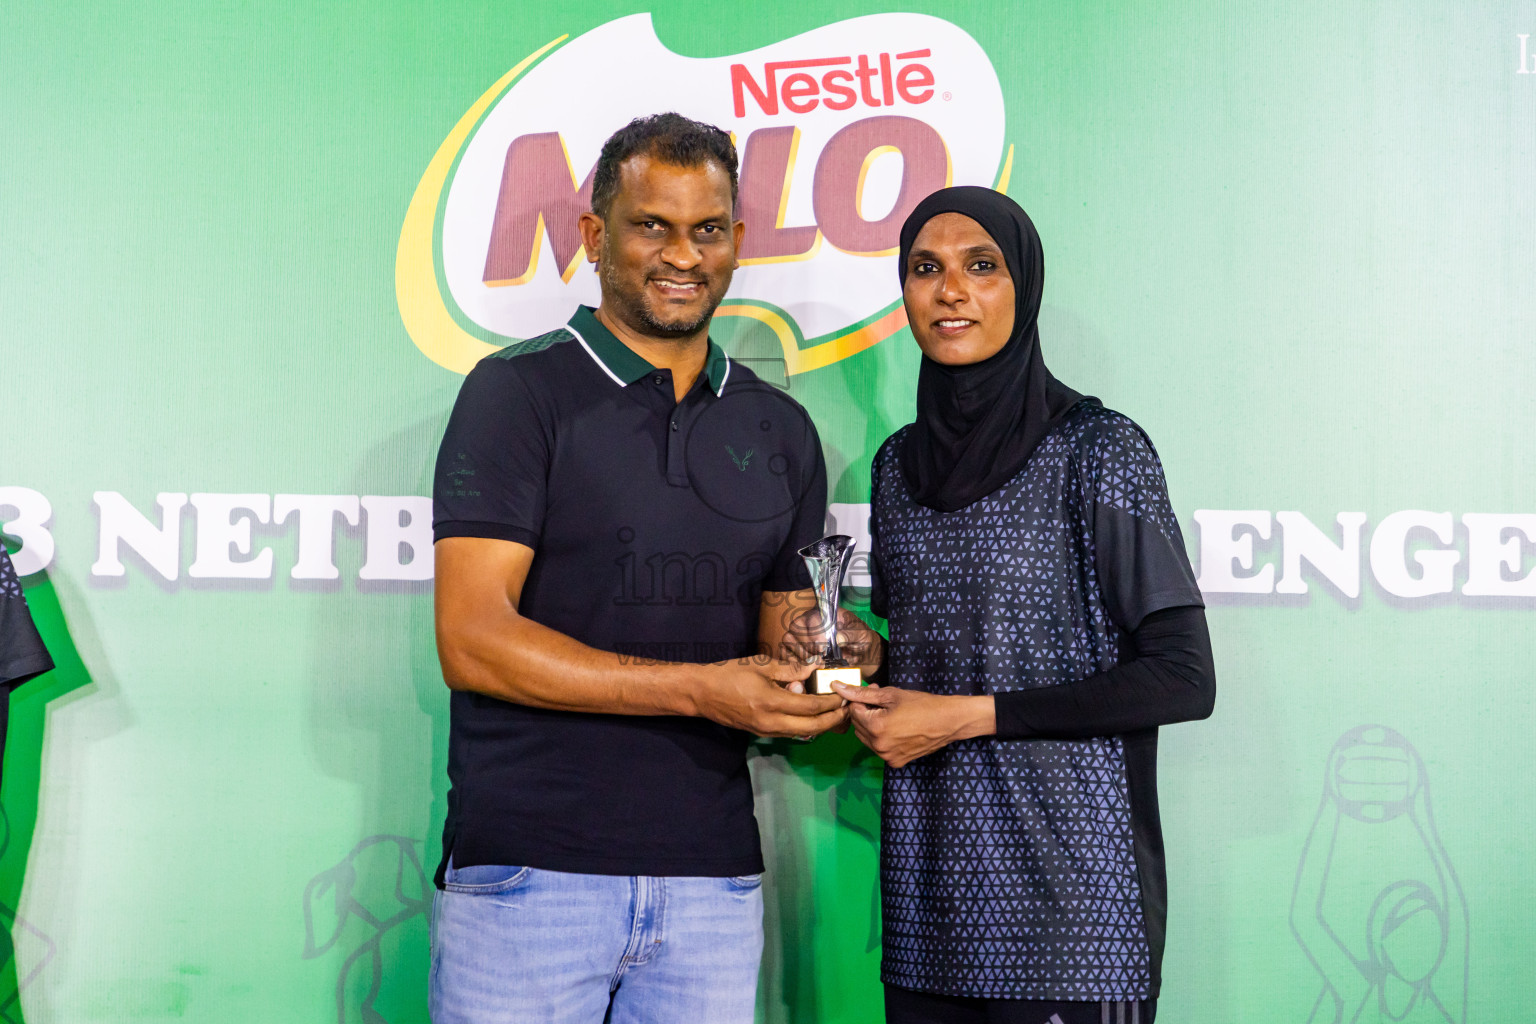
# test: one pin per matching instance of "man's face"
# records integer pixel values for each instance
(958, 294)
(667, 247)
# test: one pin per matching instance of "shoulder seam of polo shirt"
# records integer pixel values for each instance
(532, 345)
(620, 363)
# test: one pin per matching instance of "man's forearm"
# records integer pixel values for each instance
(526, 663)
(486, 646)
(519, 660)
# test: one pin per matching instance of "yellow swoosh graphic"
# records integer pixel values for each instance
(797, 360)
(426, 317)
(1006, 173)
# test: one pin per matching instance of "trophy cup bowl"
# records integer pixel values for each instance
(828, 559)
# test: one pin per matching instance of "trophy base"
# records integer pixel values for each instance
(822, 679)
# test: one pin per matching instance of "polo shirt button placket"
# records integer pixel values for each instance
(677, 469)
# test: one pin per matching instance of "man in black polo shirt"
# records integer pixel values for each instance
(618, 508)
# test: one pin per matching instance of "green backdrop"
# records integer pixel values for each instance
(1295, 242)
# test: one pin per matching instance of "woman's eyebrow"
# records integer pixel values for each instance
(973, 250)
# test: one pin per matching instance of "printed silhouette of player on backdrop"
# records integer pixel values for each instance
(1377, 906)
(377, 889)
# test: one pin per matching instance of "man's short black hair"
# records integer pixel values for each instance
(670, 138)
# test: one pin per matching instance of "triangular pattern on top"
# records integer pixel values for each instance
(1007, 867)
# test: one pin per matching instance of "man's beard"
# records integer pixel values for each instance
(638, 312)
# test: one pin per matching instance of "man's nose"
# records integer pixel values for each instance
(681, 253)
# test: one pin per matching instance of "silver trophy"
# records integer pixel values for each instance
(828, 560)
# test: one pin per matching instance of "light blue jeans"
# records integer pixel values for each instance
(519, 945)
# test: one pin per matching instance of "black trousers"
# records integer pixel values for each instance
(904, 1006)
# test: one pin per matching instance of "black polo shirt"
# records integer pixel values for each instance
(657, 525)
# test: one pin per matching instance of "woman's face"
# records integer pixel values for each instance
(958, 294)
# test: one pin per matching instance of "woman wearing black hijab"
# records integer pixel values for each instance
(1044, 621)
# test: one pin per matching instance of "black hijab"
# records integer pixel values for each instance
(977, 424)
